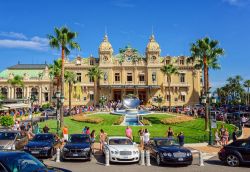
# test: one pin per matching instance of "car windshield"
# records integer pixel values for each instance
(7, 136)
(79, 139)
(23, 162)
(120, 142)
(43, 137)
(166, 142)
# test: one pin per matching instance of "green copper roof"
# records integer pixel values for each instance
(31, 73)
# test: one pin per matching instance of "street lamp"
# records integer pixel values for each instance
(102, 100)
(59, 102)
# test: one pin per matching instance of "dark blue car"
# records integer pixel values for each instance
(165, 151)
(78, 147)
(42, 145)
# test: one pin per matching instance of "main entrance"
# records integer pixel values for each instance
(142, 95)
(117, 95)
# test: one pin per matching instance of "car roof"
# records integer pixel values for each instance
(160, 138)
(118, 137)
(9, 131)
(4, 153)
(86, 135)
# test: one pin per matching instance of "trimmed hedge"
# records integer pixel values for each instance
(145, 122)
(6, 121)
(119, 120)
(176, 120)
(87, 119)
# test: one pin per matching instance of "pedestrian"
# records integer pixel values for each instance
(46, 115)
(222, 130)
(102, 139)
(217, 137)
(170, 133)
(15, 127)
(234, 135)
(195, 113)
(65, 133)
(129, 133)
(22, 127)
(92, 139)
(225, 137)
(87, 131)
(46, 129)
(181, 138)
(84, 130)
(141, 134)
(243, 121)
(146, 137)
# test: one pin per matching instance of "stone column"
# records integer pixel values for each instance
(9, 93)
(40, 95)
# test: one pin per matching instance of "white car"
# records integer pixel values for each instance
(121, 149)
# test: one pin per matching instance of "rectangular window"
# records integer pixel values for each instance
(91, 79)
(79, 77)
(154, 76)
(181, 61)
(141, 77)
(167, 61)
(46, 97)
(91, 97)
(183, 98)
(182, 77)
(84, 98)
(168, 97)
(129, 77)
(117, 77)
(91, 62)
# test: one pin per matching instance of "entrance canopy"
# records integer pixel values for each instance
(16, 106)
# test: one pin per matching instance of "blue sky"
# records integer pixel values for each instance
(176, 24)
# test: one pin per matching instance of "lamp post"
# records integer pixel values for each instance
(59, 101)
(32, 100)
(206, 99)
(102, 100)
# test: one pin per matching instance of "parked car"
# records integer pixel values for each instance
(78, 147)
(50, 112)
(17, 161)
(166, 151)
(12, 140)
(236, 153)
(121, 149)
(42, 145)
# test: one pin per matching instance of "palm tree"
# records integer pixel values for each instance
(247, 85)
(63, 40)
(159, 100)
(70, 78)
(169, 70)
(55, 70)
(16, 81)
(205, 53)
(95, 73)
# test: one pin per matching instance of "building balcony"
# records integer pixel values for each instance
(180, 84)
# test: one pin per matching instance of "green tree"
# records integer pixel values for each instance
(55, 70)
(205, 53)
(247, 85)
(96, 74)
(169, 70)
(159, 100)
(70, 78)
(17, 81)
(64, 41)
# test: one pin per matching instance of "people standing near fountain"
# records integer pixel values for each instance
(170, 133)
(129, 133)
(102, 139)
(146, 137)
(141, 134)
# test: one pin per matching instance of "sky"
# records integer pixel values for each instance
(24, 26)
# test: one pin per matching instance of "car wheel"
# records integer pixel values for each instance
(233, 160)
(51, 153)
(158, 159)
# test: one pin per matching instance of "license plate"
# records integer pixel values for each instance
(75, 154)
(35, 152)
(180, 159)
(125, 157)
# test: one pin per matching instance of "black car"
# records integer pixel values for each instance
(165, 151)
(17, 161)
(78, 147)
(236, 153)
(42, 145)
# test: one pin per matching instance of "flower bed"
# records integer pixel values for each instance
(176, 120)
(145, 122)
(119, 121)
(87, 119)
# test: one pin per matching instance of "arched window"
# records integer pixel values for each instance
(34, 92)
(4, 92)
(19, 93)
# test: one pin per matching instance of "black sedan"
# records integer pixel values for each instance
(78, 147)
(165, 151)
(11, 161)
(236, 153)
(42, 145)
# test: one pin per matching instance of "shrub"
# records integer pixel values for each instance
(87, 119)
(6, 121)
(145, 122)
(119, 120)
(46, 106)
(176, 120)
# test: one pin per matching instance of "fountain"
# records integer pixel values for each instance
(130, 111)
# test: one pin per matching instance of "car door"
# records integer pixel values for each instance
(244, 149)
(248, 151)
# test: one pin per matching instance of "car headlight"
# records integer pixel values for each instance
(65, 149)
(135, 152)
(189, 154)
(86, 149)
(167, 154)
(114, 152)
(46, 148)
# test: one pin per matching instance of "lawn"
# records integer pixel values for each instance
(193, 130)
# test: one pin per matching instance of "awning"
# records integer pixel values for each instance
(3, 109)
(183, 93)
(91, 92)
(154, 86)
(16, 106)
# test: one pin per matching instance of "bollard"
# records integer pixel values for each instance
(107, 157)
(142, 160)
(58, 155)
(148, 158)
(201, 161)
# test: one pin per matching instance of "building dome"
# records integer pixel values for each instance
(153, 45)
(105, 45)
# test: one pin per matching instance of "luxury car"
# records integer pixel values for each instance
(17, 161)
(166, 151)
(236, 153)
(42, 145)
(121, 149)
(11, 140)
(78, 147)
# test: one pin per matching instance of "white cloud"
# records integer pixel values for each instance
(13, 35)
(239, 3)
